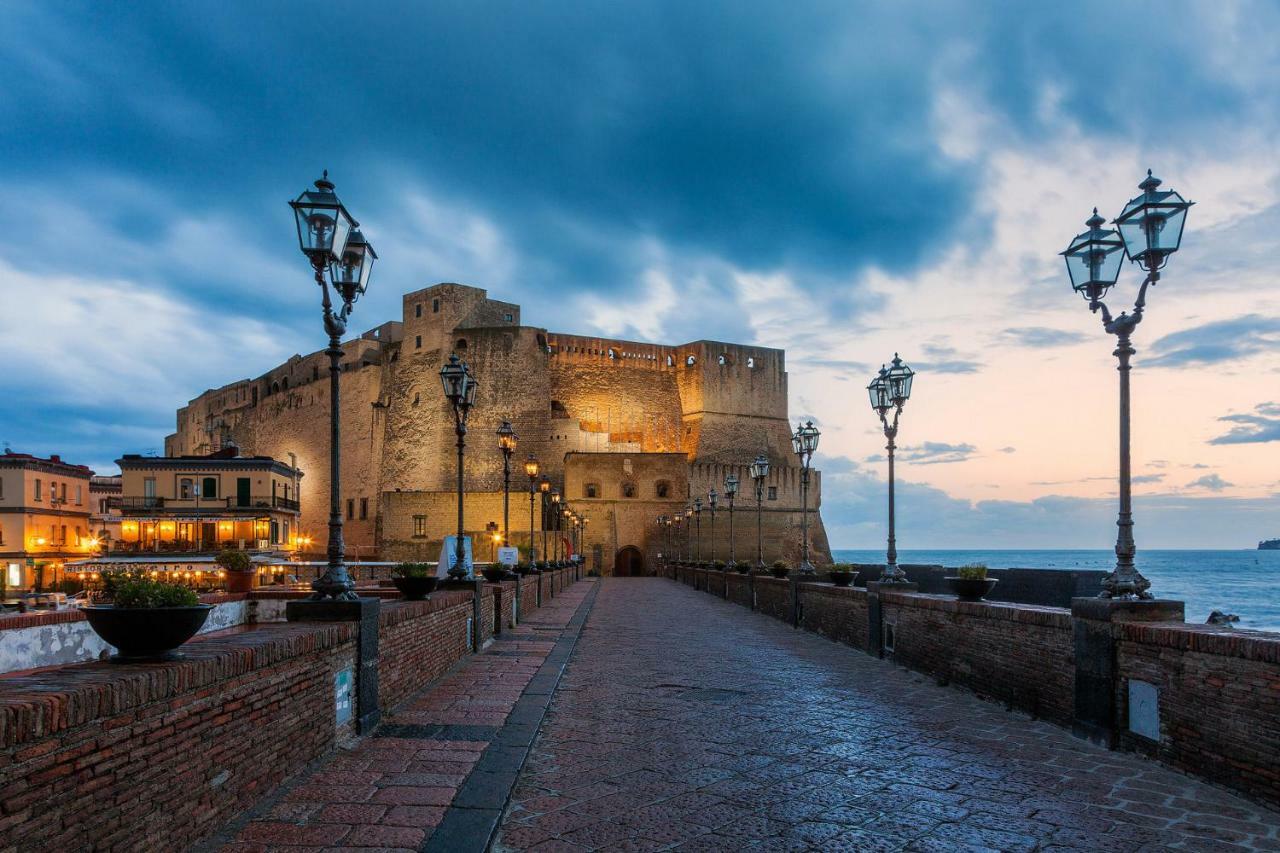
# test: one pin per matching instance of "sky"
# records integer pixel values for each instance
(846, 180)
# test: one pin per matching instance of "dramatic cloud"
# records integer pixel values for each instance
(1217, 342)
(1211, 482)
(931, 453)
(1148, 478)
(1262, 426)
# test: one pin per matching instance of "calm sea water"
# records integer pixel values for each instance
(1246, 583)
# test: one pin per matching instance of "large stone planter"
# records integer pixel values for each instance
(841, 578)
(972, 589)
(415, 589)
(146, 633)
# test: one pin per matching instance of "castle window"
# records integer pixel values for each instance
(255, 396)
(663, 489)
(275, 387)
(419, 527)
(751, 362)
(592, 490)
(462, 343)
(435, 306)
(417, 341)
(315, 372)
(542, 342)
(628, 490)
(351, 508)
(773, 493)
(285, 383)
(722, 360)
(508, 318)
(364, 508)
(612, 354)
(558, 408)
(691, 361)
(417, 310)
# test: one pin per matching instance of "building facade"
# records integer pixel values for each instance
(44, 519)
(613, 423)
(205, 503)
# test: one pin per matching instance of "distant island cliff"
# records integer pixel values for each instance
(1269, 545)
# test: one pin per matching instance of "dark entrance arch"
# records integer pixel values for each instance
(628, 563)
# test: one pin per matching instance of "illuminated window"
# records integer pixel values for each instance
(420, 526)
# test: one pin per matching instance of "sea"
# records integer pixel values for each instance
(1246, 583)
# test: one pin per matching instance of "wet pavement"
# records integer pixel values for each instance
(684, 722)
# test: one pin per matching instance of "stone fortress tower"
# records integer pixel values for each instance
(627, 431)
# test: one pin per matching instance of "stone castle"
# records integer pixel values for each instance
(626, 431)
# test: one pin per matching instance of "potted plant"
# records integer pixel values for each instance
(971, 582)
(718, 565)
(147, 619)
(742, 567)
(494, 573)
(780, 569)
(841, 574)
(416, 581)
(239, 569)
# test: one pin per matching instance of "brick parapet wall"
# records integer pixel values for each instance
(837, 613)
(101, 756)
(528, 595)
(715, 583)
(1021, 655)
(773, 597)
(418, 641)
(1219, 701)
(738, 589)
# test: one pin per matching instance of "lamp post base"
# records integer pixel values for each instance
(806, 568)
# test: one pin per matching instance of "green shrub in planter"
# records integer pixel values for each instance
(972, 572)
(414, 570)
(780, 569)
(147, 618)
(147, 593)
(841, 574)
(718, 565)
(416, 581)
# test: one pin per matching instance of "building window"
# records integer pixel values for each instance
(417, 310)
(79, 495)
(773, 493)
(751, 362)
(435, 306)
(185, 487)
(664, 489)
(1, 488)
(417, 342)
(419, 526)
(39, 493)
(592, 490)
(351, 508)
(149, 487)
(628, 490)
(364, 508)
(462, 343)
(691, 361)
(510, 318)
(209, 488)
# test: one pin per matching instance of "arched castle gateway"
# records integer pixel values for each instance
(627, 431)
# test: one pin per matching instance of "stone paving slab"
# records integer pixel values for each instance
(684, 722)
(439, 770)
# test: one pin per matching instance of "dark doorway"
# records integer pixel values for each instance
(628, 563)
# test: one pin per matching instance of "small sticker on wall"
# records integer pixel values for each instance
(1144, 709)
(342, 697)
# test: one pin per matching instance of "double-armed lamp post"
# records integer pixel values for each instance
(804, 442)
(507, 441)
(697, 539)
(688, 533)
(713, 501)
(460, 390)
(889, 391)
(544, 489)
(555, 521)
(1149, 231)
(340, 257)
(759, 473)
(731, 492)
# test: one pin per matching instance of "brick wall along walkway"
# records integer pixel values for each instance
(437, 771)
(685, 722)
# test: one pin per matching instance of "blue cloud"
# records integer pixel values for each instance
(1213, 343)
(1041, 337)
(1257, 428)
(1211, 482)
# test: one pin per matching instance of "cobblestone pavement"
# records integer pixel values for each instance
(392, 791)
(684, 722)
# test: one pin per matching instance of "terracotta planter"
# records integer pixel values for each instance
(972, 589)
(241, 581)
(146, 633)
(841, 578)
(415, 589)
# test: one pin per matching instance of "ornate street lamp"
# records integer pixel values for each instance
(760, 472)
(804, 442)
(697, 541)
(555, 521)
(688, 532)
(330, 239)
(544, 489)
(1150, 230)
(731, 492)
(890, 390)
(713, 500)
(507, 441)
(460, 390)
(531, 469)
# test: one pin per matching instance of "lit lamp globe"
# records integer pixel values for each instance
(805, 440)
(459, 385)
(878, 391)
(1151, 224)
(350, 272)
(1093, 259)
(760, 467)
(898, 380)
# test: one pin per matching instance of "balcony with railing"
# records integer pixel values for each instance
(234, 503)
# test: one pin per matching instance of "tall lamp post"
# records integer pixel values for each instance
(713, 501)
(890, 390)
(460, 390)
(555, 521)
(531, 469)
(1150, 230)
(804, 442)
(731, 492)
(759, 472)
(507, 441)
(332, 242)
(697, 539)
(544, 490)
